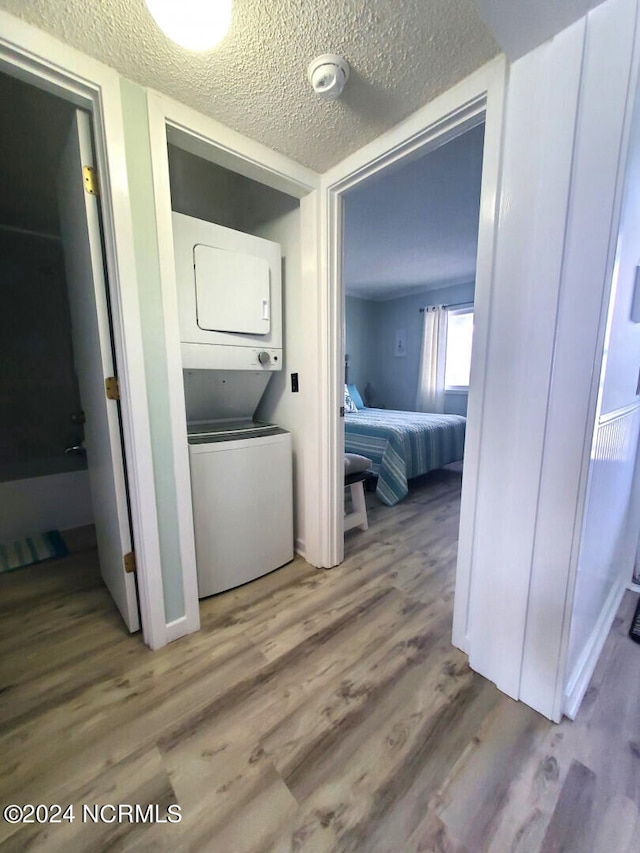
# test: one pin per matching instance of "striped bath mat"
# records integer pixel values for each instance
(31, 549)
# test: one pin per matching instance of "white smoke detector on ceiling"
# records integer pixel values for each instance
(328, 74)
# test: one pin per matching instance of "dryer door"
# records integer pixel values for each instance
(232, 291)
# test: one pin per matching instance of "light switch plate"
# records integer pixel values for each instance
(635, 304)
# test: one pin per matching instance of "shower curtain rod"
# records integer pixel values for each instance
(15, 230)
(451, 305)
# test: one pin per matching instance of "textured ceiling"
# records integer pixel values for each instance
(415, 227)
(402, 54)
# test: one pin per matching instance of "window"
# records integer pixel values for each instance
(458, 355)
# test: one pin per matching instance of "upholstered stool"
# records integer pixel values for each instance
(355, 472)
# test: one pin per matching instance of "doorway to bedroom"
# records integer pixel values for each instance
(410, 241)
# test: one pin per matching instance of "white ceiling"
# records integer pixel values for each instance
(402, 54)
(413, 228)
(416, 227)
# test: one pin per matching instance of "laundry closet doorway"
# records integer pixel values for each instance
(204, 170)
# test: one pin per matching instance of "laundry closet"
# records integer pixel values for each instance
(230, 276)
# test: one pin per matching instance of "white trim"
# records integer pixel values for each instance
(330, 377)
(616, 414)
(580, 678)
(175, 388)
(43, 61)
(203, 136)
(206, 138)
(480, 96)
(181, 626)
(495, 88)
(315, 417)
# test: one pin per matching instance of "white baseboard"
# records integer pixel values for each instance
(581, 676)
(300, 548)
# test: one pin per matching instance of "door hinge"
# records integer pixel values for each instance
(112, 387)
(129, 561)
(91, 183)
(341, 411)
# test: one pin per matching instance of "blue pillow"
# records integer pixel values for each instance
(349, 405)
(355, 396)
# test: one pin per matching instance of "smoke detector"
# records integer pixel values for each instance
(328, 74)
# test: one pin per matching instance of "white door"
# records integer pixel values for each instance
(84, 264)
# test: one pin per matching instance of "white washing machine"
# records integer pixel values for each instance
(241, 485)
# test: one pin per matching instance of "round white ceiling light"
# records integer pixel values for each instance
(328, 74)
(194, 24)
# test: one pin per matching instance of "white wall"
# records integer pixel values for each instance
(539, 123)
(57, 502)
(564, 126)
(279, 404)
(612, 517)
(608, 79)
(622, 345)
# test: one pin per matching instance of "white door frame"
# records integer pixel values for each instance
(170, 121)
(481, 95)
(44, 62)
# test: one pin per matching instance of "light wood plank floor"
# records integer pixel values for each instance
(315, 711)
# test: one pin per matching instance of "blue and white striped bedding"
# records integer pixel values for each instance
(403, 445)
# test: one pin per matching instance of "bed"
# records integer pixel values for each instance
(403, 445)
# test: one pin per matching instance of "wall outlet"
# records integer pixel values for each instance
(294, 383)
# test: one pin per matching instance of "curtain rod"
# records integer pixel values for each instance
(451, 305)
(27, 233)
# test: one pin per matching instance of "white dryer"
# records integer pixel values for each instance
(229, 288)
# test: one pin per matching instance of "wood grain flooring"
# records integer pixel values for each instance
(315, 711)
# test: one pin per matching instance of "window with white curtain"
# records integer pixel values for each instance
(458, 352)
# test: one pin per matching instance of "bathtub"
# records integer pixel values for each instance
(44, 494)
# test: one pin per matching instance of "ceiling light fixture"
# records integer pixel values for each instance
(328, 74)
(194, 24)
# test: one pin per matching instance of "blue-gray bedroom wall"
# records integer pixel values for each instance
(371, 331)
(361, 340)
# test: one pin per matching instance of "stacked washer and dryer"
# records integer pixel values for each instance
(230, 313)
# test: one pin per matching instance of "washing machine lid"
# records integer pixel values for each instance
(202, 432)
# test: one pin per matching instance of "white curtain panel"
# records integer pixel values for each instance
(430, 396)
